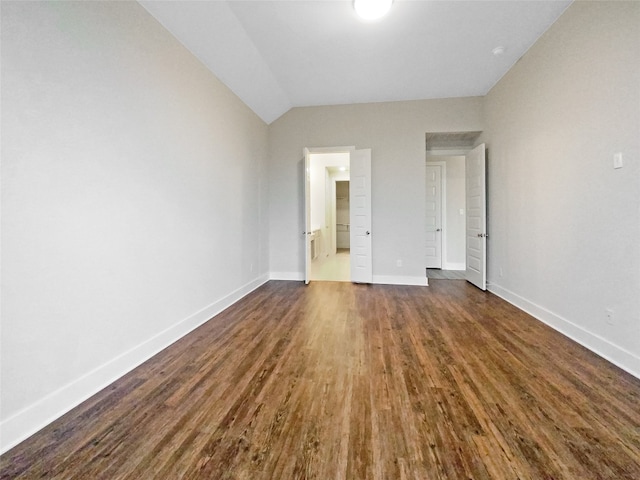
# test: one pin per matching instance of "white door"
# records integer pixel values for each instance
(434, 216)
(307, 216)
(476, 217)
(360, 213)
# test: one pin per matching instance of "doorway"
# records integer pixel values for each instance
(324, 197)
(446, 213)
(330, 217)
(446, 238)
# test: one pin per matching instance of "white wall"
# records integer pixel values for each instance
(456, 222)
(133, 200)
(318, 194)
(563, 224)
(395, 132)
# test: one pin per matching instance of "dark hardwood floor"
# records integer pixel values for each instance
(343, 381)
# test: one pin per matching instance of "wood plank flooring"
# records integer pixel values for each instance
(439, 274)
(342, 381)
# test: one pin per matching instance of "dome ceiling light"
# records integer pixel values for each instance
(372, 9)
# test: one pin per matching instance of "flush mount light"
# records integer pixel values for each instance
(372, 9)
(498, 51)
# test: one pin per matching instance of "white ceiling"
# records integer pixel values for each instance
(279, 54)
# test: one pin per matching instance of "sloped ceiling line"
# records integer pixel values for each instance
(279, 54)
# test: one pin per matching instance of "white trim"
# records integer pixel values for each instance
(36, 416)
(627, 361)
(333, 214)
(443, 213)
(443, 207)
(400, 280)
(377, 279)
(322, 150)
(454, 266)
(291, 276)
(448, 152)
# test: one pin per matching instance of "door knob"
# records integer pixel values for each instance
(368, 232)
(437, 229)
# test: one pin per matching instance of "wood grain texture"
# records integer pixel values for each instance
(343, 381)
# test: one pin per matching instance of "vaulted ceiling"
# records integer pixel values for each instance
(279, 54)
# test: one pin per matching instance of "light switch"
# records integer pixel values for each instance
(617, 160)
(462, 211)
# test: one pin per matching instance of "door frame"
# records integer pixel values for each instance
(307, 152)
(307, 215)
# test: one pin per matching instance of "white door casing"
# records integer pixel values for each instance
(360, 213)
(434, 216)
(476, 228)
(307, 216)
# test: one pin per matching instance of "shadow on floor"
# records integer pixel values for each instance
(438, 274)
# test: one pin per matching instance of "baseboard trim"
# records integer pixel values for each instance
(36, 416)
(611, 352)
(400, 280)
(377, 279)
(292, 276)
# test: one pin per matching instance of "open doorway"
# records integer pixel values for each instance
(445, 184)
(446, 213)
(357, 171)
(330, 217)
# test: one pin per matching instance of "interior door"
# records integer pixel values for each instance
(307, 216)
(360, 213)
(476, 217)
(434, 216)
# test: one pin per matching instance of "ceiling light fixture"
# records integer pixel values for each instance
(372, 9)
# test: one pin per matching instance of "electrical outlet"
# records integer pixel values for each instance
(608, 316)
(399, 262)
(501, 272)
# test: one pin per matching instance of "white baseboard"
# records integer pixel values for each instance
(454, 266)
(379, 279)
(400, 280)
(620, 357)
(294, 276)
(31, 419)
